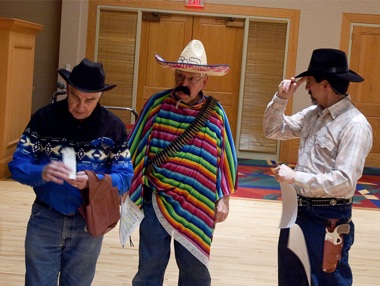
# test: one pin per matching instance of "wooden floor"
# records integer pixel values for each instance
(243, 251)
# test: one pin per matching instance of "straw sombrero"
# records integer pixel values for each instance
(193, 59)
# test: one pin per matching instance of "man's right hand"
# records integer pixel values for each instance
(56, 172)
(287, 87)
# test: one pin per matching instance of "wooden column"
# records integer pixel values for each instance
(17, 47)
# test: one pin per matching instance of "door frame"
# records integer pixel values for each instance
(349, 21)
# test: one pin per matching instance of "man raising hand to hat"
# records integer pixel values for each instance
(57, 243)
(335, 139)
(185, 191)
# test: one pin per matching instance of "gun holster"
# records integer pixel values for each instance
(332, 251)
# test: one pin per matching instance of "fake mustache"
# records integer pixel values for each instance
(183, 89)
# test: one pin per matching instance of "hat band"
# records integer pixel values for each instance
(333, 70)
(338, 70)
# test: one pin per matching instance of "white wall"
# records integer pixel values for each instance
(73, 32)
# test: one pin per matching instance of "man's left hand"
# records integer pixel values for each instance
(284, 174)
(222, 209)
(81, 180)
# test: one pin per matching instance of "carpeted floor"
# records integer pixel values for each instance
(256, 181)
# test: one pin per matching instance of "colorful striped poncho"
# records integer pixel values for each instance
(188, 184)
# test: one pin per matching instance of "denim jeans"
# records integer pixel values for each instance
(58, 246)
(154, 254)
(290, 270)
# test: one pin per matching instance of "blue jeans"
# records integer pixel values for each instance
(154, 253)
(290, 269)
(58, 246)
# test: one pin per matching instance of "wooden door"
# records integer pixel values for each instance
(116, 50)
(365, 60)
(167, 35)
(223, 41)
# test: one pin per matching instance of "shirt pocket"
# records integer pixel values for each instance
(325, 152)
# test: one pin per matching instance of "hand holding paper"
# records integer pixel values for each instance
(68, 158)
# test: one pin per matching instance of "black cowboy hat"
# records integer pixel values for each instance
(87, 76)
(332, 63)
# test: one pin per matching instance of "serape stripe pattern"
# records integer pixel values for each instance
(189, 183)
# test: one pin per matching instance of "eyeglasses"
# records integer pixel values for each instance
(191, 79)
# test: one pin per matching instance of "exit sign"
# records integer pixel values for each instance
(194, 3)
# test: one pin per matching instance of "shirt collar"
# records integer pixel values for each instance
(340, 107)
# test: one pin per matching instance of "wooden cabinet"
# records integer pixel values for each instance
(17, 46)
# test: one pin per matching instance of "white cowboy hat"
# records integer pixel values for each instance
(193, 59)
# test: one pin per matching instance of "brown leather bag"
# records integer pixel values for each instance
(101, 207)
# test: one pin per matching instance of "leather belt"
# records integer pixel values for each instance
(323, 202)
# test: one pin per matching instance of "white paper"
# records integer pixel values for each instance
(289, 205)
(297, 244)
(68, 158)
(130, 218)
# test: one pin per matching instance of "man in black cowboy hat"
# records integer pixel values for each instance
(57, 243)
(335, 139)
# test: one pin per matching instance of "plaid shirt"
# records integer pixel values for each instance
(334, 143)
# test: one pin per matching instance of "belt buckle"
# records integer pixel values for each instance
(300, 202)
(333, 202)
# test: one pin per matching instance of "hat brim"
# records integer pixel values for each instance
(65, 74)
(349, 76)
(213, 70)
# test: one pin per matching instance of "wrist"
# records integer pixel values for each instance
(279, 96)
